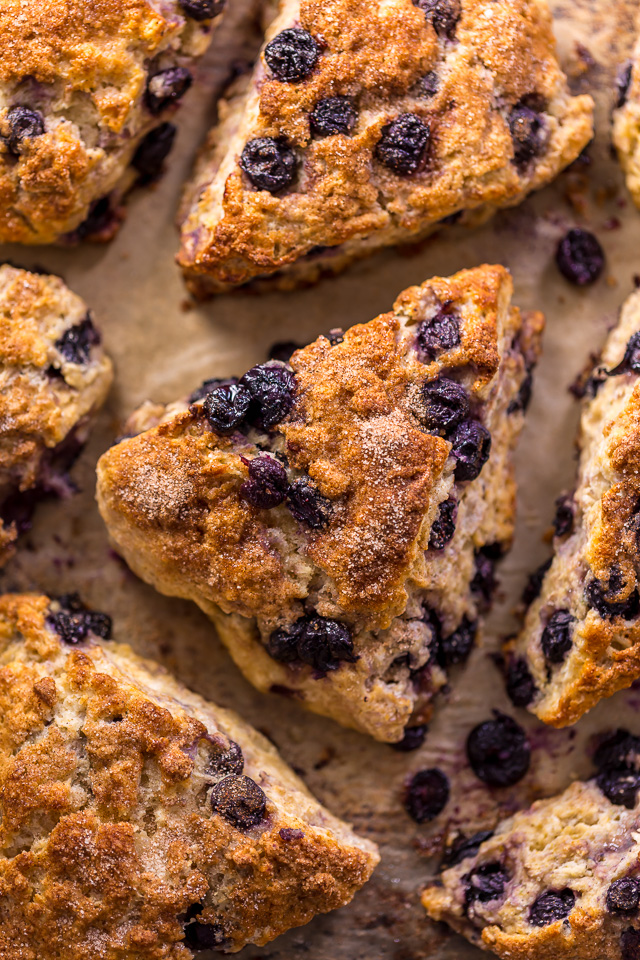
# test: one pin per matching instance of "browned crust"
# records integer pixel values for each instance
(626, 129)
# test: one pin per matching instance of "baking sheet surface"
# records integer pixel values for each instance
(163, 347)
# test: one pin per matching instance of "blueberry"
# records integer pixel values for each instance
(458, 645)
(167, 87)
(292, 55)
(153, 150)
(428, 85)
(600, 596)
(522, 399)
(229, 760)
(563, 519)
(623, 896)
(76, 342)
(528, 133)
(283, 350)
(533, 586)
(24, 124)
(412, 739)
(631, 359)
(471, 446)
(498, 751)
(73, 622)
(579, 257)
(464, 847)
(336, 335)
(203, 936)
(484, 582)
(272, 391)
(551, 906)
(324, 643)
(441, 332)
(443, 14)
(239, 800)
(333, 115)
(282, 644)
(619, 786)
(520, 684)
(100, 220)
(623, 82)
(267, 484)
(202, 9)
(485, 883)
(446, 404)
(208, 386)
(618, 751)
(630, 944)
(225, 407)
(444, 525)
(403, 144)
(307, 504)
(426, 795)
(557, 636)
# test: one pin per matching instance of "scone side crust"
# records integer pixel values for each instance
(626, 128)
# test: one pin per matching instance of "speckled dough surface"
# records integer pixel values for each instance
(626, 123)
(342, 141)
(81, 86)
(54, 377)
(402, 561)
(131, 807)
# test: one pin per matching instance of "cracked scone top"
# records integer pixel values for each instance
(139, 821)
(559, 880)
(338, 517)
(581, 636)
(626, 123)
(85, 89)
(364, 124)
(54, 377)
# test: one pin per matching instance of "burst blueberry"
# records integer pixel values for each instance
(602, 597)
(292, 55)
(464, 847)
(471, 446)
(446, 404)
(456, 647)
(272, 388)
(486, 883)
(412, 738)
(444, 525)
(225, 407)
(498, 751)
(557, 636)
(333, 115)
(563, 519)
(76, 342)
(550, 906)
(426, 795)
(623, 82)
(267, 484)
(204, 936)
(528, 133)
(240, 801)
(269, 163)
(202, 9)
(403, 144)
(325, 643)
(579, 257)
(307, 504)
(225, 761)
(443, 14)
(153, 150)
(620, 787)
(623, 896)
(441, 332)
(23, 124)
(630, 944)
(631, 359)
(533, 586)
(520, 684)
(167, 87)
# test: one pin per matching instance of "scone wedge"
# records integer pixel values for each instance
(559, 880)
(338, 517)
(139, 821)
(626, 123)
(581, 636)
(366, 124)
(54, 377)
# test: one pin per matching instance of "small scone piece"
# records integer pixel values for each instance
(559, 880)
(581, 635)
(85, 92)
(139, 821)
(338, 517)
(626, 123)
(365, 124)
(54, 377)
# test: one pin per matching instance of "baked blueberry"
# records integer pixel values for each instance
(333, 115)
(403, 144)
(267, 484)
(443, 14)
(630, 944)
(73, 622)
(533, 586)
(24, 124)
(520, 684)
(307, 504)
(226, 761)
(225, 407)
(551, 906)
(563, 519)
(463, 847)
(153, 150)
(484, 581)
(528, 133)
(208, 386)
(292, 55)
(269, 163)
(101, 219)
(202, 9)
(282, 644)
(601, 597)
(557, 636)
(203, 936)
(426, 795)
(324, 643)
(619, 751)
(439, 333)
(471, 446)
(271, 387)
(499, 751)
(623, 896)
(485, 883)
(620, 786)
(623, 82)
(75, 343)
(239, 800)
(283, 350)
(631, 359)
(444, 525)
(522, 399)
(412, 739)
(446, 404)
(428, 85)
(458, 645)
(579, 257)
(167, 87)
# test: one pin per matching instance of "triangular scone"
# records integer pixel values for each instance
(342, 536)
(139, 820)
(54, 377)
(87, 89)
(626, 123)
(366, 123)
(581, 636)
(559, 880)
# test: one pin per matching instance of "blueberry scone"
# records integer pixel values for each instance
(54, 377)
(626, 123)
(581, 636)
(86, 92)
(139, 821)
(561, 879)
(338, 516)
(365, 124)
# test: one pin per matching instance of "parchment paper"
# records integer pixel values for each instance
(163, 347)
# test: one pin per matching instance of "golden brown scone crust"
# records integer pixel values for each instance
(171, 500)
(605, 651)
(47, 402)
(577, 841)
(108, 833)
(626, 128)
(84, 67)
(343, 198)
